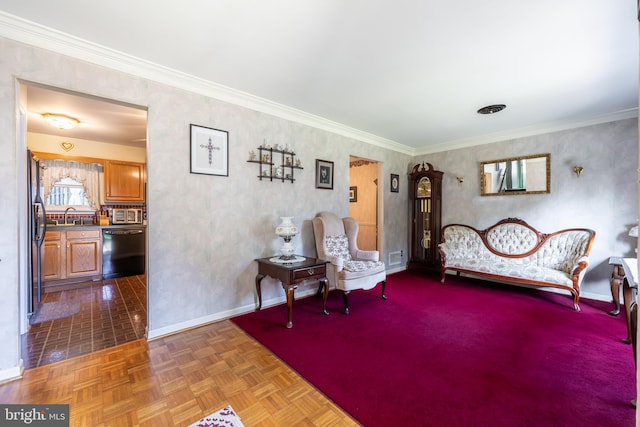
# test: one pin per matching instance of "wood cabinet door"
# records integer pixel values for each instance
(124, 181)
(84, 257)
(52, 260)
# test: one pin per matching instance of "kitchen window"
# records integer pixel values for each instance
(71, 184)
(68, 192)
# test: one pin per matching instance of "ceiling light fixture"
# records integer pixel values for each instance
(490, 109)
(61, 121)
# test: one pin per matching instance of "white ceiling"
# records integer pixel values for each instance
(411, 72)
(100, 120)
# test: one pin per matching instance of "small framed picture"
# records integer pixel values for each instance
(395, 183)
(353, 194)
(209, 151)
(324, 174)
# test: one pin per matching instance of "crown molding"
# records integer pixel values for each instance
(31, 33)
(527, 131)
(28, 32)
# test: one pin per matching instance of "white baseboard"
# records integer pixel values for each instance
(396, 269)
(201, 321)
(11, 374)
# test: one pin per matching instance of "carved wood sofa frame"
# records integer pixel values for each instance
(513, 251)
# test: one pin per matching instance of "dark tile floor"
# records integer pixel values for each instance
(112, 312)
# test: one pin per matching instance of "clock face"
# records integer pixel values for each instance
(424, 187)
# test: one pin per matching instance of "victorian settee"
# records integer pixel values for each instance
(512, 251)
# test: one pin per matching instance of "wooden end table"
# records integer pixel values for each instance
(617, 276)
(290, 274)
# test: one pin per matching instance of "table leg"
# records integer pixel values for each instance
(627, 297)
(634, 330)
(616, 278)
(289, 290)
(634, 343)
(259, 278)
(324, 282)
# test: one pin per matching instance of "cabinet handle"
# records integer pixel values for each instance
(310, 272)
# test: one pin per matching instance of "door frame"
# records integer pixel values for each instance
(380, 186)
(24, 238)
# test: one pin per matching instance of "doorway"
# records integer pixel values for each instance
(365, 200)
(100, 313)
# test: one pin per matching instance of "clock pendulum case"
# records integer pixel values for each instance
(425, 195)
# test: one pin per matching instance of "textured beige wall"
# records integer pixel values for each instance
(604, 197)
(204, 231)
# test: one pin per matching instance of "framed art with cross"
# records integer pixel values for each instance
(209, 151)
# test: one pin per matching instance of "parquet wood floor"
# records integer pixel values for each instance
(175, 381)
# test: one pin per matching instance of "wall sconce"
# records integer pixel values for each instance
(61, 121)
(460, 180)
(577, 170)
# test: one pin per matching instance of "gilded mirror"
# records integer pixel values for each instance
(516, 175)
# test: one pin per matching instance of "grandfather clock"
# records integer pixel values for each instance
(425, 187)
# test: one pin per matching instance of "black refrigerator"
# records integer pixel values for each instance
(37, 230)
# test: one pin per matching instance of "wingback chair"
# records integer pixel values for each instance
(349, 268)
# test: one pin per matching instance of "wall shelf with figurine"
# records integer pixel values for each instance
(275, 163)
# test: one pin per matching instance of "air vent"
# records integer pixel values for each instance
(490, 109)
(395, 258)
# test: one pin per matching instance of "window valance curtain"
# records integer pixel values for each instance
(86, 173)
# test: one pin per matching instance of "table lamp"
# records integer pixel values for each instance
(286, 229)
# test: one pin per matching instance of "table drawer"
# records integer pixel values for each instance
(306, 273)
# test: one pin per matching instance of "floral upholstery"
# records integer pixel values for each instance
(349, 268)
(338, 246)
(359, 266)
(513, 250)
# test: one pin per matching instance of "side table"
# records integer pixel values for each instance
(617, 276)
(290, 274)
(629, 294)
(630, 266)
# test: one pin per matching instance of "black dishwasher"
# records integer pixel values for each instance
(123, 252)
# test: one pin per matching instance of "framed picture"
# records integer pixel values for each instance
(209, 151)
(324, 174)
(353, 194)
(395, 183)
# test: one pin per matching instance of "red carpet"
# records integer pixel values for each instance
(465, 353)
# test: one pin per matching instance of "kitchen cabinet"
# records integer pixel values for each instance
(124, 181)
(52, 256)
(83, 253)
(70, 256)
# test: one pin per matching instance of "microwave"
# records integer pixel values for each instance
(126, 216)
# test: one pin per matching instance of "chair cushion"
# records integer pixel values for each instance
(338, 246)
(357, 269)
(356, 266)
